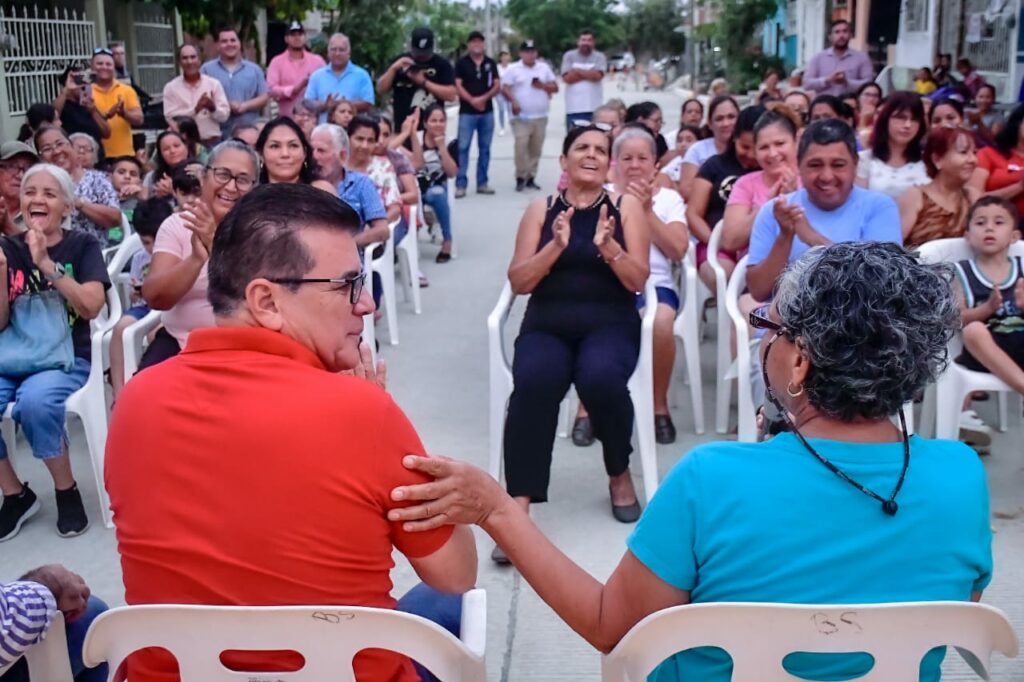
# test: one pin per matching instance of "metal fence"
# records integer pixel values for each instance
(988, 46)
(155, 46)
(35, 47)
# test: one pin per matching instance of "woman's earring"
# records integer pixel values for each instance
(789, 390)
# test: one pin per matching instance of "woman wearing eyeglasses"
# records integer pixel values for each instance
(97, 208)
(846, 509)
(177, 280)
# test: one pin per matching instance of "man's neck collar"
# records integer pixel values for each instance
(299, 53)
(340, 69)
(194, 78)
(236, 62)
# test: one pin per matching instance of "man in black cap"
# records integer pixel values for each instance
(289, 72)
(419, 77)
(476, 80)
(528, 85)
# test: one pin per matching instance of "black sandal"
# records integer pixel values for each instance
(443, 257)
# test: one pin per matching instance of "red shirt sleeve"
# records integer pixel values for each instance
(987, 160)
(396, 439)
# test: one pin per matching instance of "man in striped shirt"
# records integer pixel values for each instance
(27, 609)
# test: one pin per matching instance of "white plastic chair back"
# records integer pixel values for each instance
(745, 408)
(957, 381)
(133, 339)
(723, 355)
(48, 660)
(384, 265)
(131, 245)
(328, 637)
(409, 262)
(759, 636)
(641, 387)
(687, 328)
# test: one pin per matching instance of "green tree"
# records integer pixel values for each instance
(199, 17)
(451, 22)
(738, 33)
(555, 24)
(650, 27)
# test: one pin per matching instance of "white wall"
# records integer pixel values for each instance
(918, 48)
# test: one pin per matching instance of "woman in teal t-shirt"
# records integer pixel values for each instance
(844, 509)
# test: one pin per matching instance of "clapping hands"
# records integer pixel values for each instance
(562, 229)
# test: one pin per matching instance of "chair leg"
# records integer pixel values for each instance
(387, 276)
(91, 409)
(723, 386)
(949, 393)
(926, 427)
(641, 392)
(1003, 411)
(692, 349)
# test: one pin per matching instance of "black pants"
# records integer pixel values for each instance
(163, 347)
(598, 357)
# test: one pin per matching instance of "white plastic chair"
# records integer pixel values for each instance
(723, 357)
(384, 265)
(328, 637)
(133, 339)
(89, 403)
(641, 388)
(958, 381)
(369, 324)
(127, 231)
(687, 329)
(408, 251)
(759, 636)
(48, 660)
(745, 408)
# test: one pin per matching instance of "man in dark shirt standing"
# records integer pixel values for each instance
(76, 108)
(419, 77)
(476, 80)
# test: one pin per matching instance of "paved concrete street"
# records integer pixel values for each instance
(439, 376)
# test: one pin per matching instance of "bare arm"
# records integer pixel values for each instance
(453, 567)
(102, 215)
(410, 190)
(696, 208)
(736, 225)
(979, 313)
(450, 165)
(671, 238)
(5, 305)
(134, 116)
(442, 92)
(761, 278)
(170, 278)
(980, 178)
(687, 174)
(376, 231)
(387, 79)
(417, 150)
(529, 266)
(87, 298)
(910, 206)
(255, 104)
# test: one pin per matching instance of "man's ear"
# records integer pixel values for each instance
(261, 299)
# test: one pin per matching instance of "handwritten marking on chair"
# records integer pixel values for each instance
(263, 679)
(333, 617)
(828, 624)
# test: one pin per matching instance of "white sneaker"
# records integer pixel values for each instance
(973, 430)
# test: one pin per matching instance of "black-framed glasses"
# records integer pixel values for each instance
(103, 50)
(355, 283)
(223, 176)
(759, 320)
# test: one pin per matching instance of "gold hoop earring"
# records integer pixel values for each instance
(789, 390)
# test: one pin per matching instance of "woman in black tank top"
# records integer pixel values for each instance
(582, 255)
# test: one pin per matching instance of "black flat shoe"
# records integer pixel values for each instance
(626, 513)
(664, 429)
(582, 432)
(499, 557)
(443, 257)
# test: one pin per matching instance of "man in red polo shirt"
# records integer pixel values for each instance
(249, 470)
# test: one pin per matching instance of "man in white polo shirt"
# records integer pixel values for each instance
(583, 71)
(528, 86)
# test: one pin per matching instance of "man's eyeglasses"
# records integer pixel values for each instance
(355, 283)
(9, 167)
(103, 50)
(223, 176)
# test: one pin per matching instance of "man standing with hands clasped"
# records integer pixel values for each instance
(583, 71)
(242, 80)
(528, 85)
(193, 94)
(477, 82)
(838, 69)
(289, 72)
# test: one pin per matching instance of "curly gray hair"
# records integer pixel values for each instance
(873, 321)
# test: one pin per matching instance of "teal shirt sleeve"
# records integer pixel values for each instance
(664, 537)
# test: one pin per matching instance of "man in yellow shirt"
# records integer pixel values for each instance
(117, 102)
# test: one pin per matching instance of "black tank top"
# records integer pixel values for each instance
(580, 275)
(977, 288)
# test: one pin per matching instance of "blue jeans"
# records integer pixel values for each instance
(75, 633)
(440, 607)
(504, 108)
(39, 406)
(483, 125)
(579, 116)
(436, 197)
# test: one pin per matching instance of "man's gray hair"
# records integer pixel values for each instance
(632, 132)
(873, 321)
(827, 131)
(88, 138)
(238, 146)
(338, 136)
(339, 34)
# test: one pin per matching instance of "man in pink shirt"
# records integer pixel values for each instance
(840, 68)
(289, 71)
(193, 94)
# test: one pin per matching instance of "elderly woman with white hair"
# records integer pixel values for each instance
(52, 282)
(87, 148)
(847, 508)
(635, 154)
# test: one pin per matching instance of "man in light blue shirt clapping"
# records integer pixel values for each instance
(340, 79)
(828, 209)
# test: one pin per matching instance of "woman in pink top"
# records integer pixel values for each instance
(177, 282)
(775, 151)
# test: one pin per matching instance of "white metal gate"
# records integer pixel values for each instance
(35, 47)
(989, 44)
(155, 47)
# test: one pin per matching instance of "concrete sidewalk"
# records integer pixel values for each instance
(439, 376)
